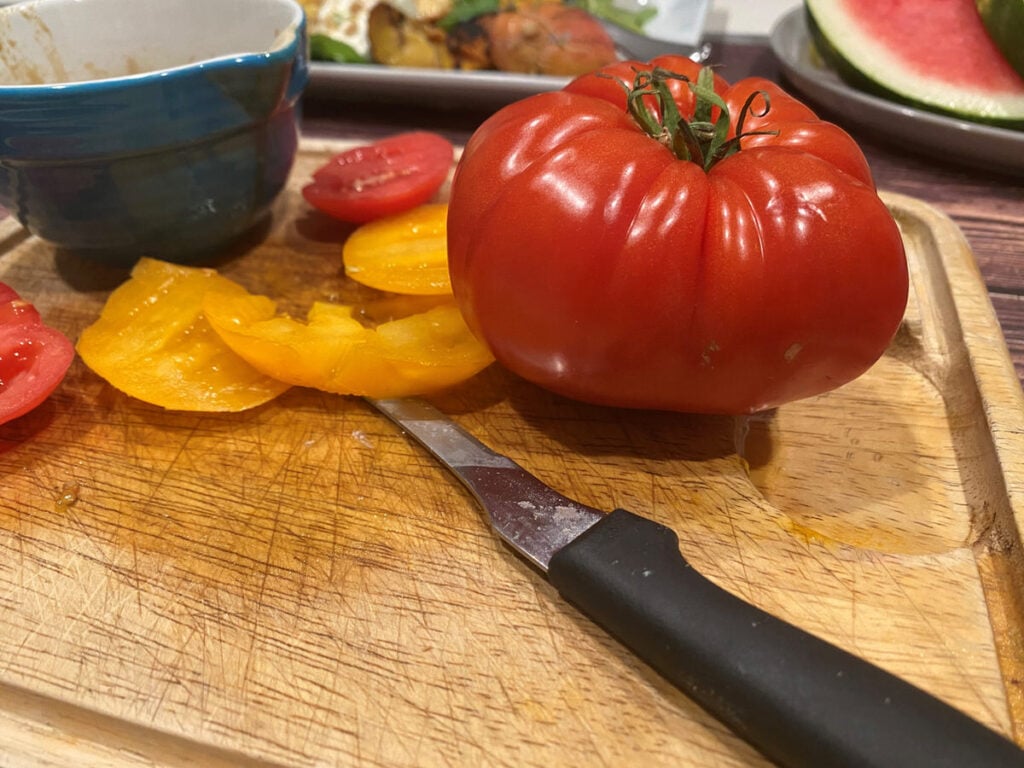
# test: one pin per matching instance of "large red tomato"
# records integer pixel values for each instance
(596, 261)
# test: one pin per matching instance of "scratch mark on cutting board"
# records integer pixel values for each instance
(42, 606)
(171, 464)
(939, 629)
(254, 636)
(136, 577)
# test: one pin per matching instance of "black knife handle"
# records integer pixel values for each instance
(801, 701)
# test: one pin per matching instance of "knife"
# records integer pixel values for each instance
(801, 701)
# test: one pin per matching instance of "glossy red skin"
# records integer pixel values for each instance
(382, 179)
(595, 264)
(33, 356)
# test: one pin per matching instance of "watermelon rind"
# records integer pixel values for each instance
(869, 65)
(1004, 20)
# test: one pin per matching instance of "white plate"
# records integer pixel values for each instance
(677, 21)
(959, 141)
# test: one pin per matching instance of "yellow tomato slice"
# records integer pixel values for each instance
(335, 352)
(152, 342)
(405, 253)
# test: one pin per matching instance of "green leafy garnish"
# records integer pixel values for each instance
(467, 10)
(325, 48)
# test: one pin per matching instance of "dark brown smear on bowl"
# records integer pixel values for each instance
(17, 71)
(20, 72)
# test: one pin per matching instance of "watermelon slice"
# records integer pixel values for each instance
(935, 54)
(1004, 20)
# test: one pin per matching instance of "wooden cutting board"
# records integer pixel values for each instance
(300, 585)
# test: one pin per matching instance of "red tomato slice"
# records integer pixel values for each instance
(381, 179)
(33, 356)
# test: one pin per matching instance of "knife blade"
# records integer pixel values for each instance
(801, 701)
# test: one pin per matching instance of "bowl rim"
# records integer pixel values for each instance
(284, 47)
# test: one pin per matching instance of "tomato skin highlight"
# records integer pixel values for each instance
(595, 263)
(34, 357)
(390, 176)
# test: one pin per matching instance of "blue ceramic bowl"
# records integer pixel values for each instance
(160, 128)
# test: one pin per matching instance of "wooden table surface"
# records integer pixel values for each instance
(989, 208)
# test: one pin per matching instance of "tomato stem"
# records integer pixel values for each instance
(703, 139)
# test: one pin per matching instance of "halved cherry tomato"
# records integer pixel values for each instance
(381, 179)
(335, 352)
(406, 253)
(152, 342)
(33, 356)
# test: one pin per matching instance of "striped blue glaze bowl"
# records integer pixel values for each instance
(162, 128)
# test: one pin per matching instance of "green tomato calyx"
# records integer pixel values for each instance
(704, 139)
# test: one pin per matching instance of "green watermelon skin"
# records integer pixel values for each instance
(1004, 20)
(926, 61)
